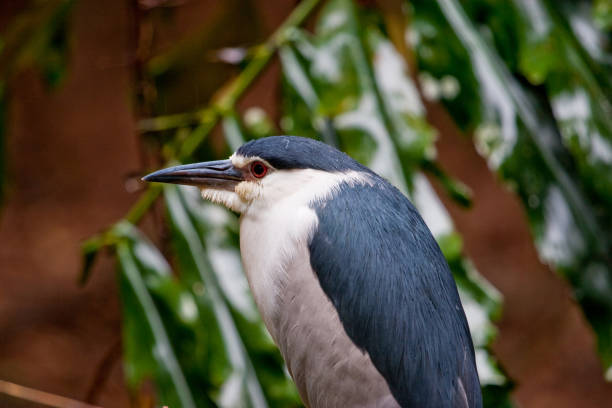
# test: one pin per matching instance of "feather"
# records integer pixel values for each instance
(382, 269)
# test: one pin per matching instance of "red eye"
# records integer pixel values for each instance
(258, 169)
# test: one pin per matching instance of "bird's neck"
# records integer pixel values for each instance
(269, 243)
(301, 318)
(278, 223)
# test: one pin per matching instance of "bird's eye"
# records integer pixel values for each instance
(258, 169)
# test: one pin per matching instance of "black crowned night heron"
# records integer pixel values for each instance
(348, 278)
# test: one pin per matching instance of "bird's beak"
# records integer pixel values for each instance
(219, 174)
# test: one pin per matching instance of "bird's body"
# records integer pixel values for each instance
(301, 319)
(349, 281)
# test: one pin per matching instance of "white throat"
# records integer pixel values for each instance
(278, 223)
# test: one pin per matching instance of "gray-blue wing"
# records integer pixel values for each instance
(380, 266)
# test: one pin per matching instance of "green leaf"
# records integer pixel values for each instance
(458, 191)
(577, 79)
(37, 37)
(232, 131)
(89, 252)
(602, 13)
(557, 162)
(147, 346)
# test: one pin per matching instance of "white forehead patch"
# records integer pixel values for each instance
(241, 161)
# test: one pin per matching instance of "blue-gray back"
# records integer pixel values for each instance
(385, 274)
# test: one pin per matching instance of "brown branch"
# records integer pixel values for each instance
(41, 397)
(397, 21)
(103, 370)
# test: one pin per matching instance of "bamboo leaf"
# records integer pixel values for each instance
(232, 131)
(89, 253)
(568, 211)
(578, 85)
(148, 349)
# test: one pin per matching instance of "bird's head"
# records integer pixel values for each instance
(264, 171)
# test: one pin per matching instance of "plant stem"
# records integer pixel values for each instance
(140, 208)
(230, 93)
(165, 122)
(208, 117)
(40, 398)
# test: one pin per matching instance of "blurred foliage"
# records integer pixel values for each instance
(530, 79)
(3, 165)
(155, 303)
(536, 77)
(37, 38)
(197, 334)
(602, 14)
(188, 70)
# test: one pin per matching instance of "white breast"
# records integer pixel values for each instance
(274, 235)
(268, 243)
(277, 223)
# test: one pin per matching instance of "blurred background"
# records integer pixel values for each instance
(495, 117)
